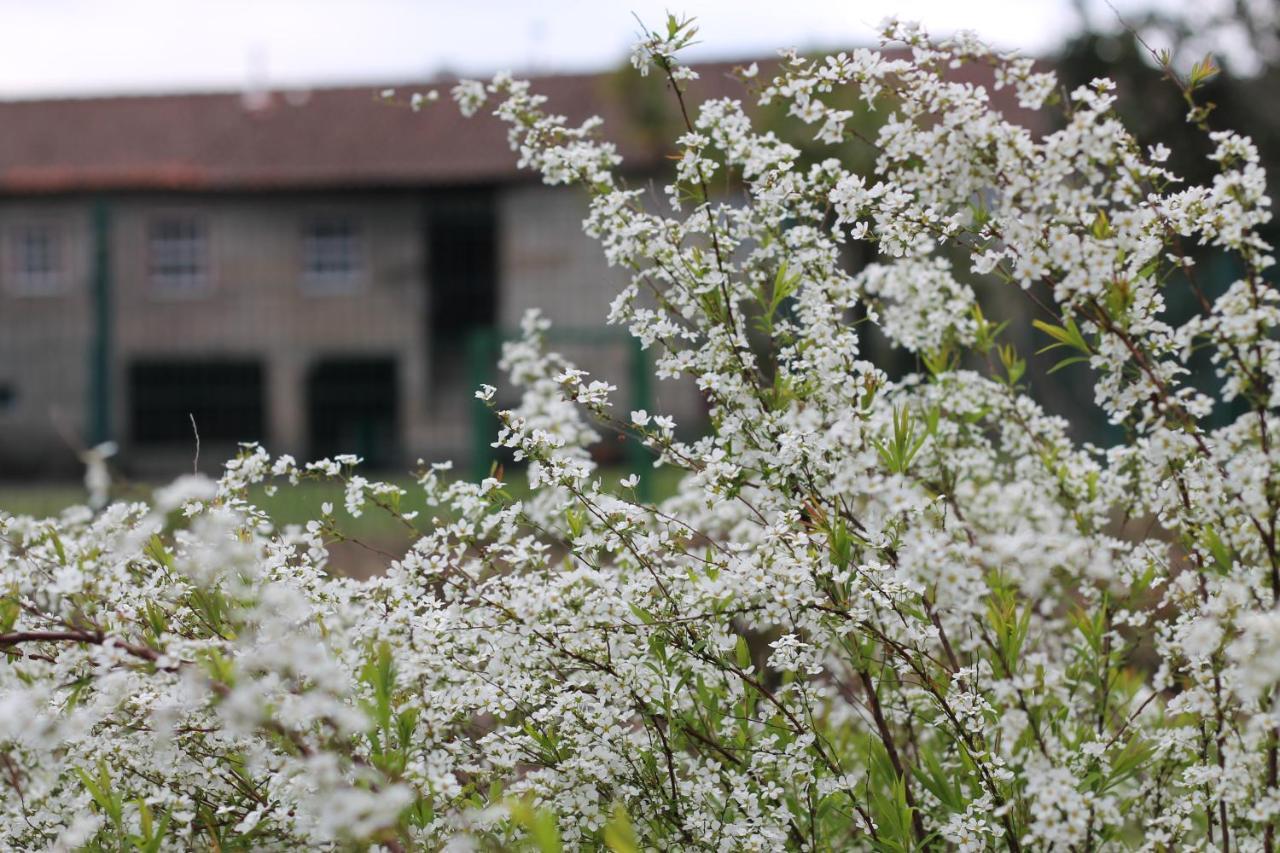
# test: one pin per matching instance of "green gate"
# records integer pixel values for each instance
(484, 348)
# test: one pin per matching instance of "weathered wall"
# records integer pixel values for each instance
(43, 344)
(256, 305)
(548, 262)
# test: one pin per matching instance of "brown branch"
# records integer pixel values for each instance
(93, 638)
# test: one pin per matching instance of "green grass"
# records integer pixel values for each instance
(301, 503)
(39, 499)
(378, 536)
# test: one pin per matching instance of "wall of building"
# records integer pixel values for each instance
(44, 337)
(256, 305)
(548, 262)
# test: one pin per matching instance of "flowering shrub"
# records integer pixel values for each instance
(880, 614)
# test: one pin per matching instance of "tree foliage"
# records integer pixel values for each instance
(880, 613)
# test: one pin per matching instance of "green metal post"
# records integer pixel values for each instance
(98, 423)
(638, 457)
(481, 359)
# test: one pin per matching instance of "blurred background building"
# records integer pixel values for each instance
(326, 270)
(323, 271)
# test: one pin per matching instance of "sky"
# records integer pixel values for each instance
(55, 48)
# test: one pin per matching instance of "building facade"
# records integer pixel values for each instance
(322, 272)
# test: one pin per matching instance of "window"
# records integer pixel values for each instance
(331, 253)
(226, 399)
(36, 259)
(178, 254)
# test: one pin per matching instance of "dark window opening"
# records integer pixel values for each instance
(7, 397)
(224, 397)
(351, 408)
(462, 251)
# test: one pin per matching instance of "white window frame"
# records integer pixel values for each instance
(336, 281)
(199, 280)
(22, 280)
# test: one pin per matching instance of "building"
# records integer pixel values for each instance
(322, 271)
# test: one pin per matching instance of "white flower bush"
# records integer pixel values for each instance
(879, 614)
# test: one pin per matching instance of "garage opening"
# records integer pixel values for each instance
(225, 398)
(352, 407)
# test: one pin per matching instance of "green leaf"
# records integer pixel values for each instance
(840, 545)
(1066, 362)
(1127, 762)
(57, 547)
(986, 332)
(1101, 225)
(888, 801)
(1221, 553)
(1202, 71)
(9, 611)
(155, 550)
(541, 824)
(1068, 335)
(743, 653)
(619, 835)
(898, 453)
(1013, 365)
(99, 787)
(938, 781)
(783, 287)
(941, 361)
(643, 615)
(379, 674)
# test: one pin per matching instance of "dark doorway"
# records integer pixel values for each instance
(462, 272)
(225, 398)
(352, 405)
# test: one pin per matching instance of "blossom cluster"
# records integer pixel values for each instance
(880, 612)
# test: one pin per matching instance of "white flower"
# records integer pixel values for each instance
(470, 96)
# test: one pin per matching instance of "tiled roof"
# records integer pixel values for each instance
(324, 138)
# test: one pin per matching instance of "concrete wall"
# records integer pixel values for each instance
(44, 339)
(548, 262)
(257, 305)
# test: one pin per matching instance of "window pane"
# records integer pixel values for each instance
(177, 253)
(330, 250)
(34, 250)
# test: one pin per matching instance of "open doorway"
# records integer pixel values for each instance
(224, 397)
(462, 273)
(352, 407)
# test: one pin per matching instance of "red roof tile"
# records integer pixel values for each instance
(293, 140)
(323, 138)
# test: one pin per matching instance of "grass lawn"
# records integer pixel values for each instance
(378, 530)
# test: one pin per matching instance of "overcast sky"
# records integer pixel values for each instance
(81, 47)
